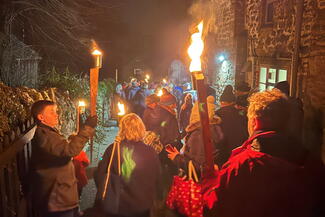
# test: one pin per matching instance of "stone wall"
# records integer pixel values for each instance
(278, 38)
(15, 106)
(222, 42)
(273, 45)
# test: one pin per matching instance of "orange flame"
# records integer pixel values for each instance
(196, 48)
(81, 103)
(160, 92)
(96, 53)
(95, 50)
(121, 109)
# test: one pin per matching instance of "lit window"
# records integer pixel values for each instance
(270, 76)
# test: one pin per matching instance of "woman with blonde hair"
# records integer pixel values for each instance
(131, 175)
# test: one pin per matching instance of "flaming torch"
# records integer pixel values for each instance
(97, 54)
(195, 51)
(121, 109)
(160, 93)
(147, 78)
(94, 80)
(81, 104)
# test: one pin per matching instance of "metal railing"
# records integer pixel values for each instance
(15, 155)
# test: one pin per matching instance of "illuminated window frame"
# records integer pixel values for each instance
(269, 76)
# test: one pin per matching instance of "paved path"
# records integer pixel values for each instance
(89, 192)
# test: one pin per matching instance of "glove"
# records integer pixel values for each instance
(91, 121)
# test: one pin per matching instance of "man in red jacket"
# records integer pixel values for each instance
(269, 175)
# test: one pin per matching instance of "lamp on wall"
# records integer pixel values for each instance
(221, 58)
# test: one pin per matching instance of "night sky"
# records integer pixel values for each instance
(149, 32)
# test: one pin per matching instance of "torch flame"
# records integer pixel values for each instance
(81, 103)
(121, 109)
(160, 92)
(96, 53)
(164, 81)
(196, 48)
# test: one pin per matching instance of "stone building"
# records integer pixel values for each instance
(267, 41)
(287, 42)
(19, 63)
(226, 48)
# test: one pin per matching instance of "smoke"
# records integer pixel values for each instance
(204, 10)
(94, 45)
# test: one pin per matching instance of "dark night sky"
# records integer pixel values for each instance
(153, 31)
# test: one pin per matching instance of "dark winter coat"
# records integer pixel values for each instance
(267, 179)
(166, 126)
(184, 117)
(149, 117)
(234, 127)
(295, 122)
(131, 92)
(52, 174)
(138, 101)
(194, 147)
(134, 190)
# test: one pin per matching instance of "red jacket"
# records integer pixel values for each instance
(80, 162)
(257, 184)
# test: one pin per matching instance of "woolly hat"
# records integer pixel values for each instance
(153, 98)
(195, 115)
(283, 86)
(167, 99)
(227, 95)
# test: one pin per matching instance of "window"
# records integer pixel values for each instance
(321, 4)
(270, 76)
(268, 12)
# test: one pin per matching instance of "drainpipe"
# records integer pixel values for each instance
(295, 55)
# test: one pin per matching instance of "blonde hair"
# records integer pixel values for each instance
(271, 107)
(131, 128)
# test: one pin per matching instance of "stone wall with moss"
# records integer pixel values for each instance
(15, 104)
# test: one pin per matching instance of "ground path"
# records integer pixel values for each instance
(89, 192)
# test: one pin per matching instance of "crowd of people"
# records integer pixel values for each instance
(261, 166)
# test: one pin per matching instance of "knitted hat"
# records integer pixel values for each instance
(227, 95)
(283, 86)
(167, 99)
(153, 98)
(195, 115)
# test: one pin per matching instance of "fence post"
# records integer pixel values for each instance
(3, 190)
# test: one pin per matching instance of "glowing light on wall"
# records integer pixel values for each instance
(221, 58)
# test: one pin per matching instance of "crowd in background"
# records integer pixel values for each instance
(261, 166)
